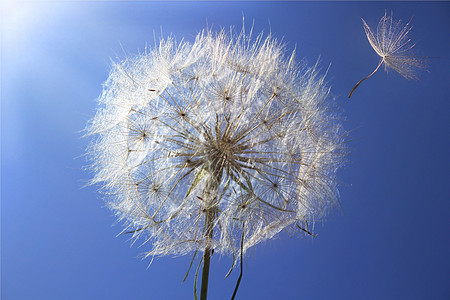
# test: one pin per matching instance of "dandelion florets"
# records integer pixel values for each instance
(221, 143)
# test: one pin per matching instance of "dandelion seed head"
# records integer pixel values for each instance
(392, 43)
(224, 131)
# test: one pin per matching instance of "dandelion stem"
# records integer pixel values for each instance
(359, 82)
(210, 213)
(205, 273)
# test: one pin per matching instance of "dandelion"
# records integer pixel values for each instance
(392, 44)
(215, 146)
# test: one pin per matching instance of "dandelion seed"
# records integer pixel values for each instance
(392, 44)
(226, 161)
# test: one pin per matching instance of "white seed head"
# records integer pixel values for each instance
(226, 132)
(392, 43)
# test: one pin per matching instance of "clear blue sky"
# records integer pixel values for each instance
(390, 240)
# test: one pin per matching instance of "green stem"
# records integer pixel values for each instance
(210, 214)
(209, 220)
(205, 274)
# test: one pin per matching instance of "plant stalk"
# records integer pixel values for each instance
(210, 214)
(209, 220)
(205, 274)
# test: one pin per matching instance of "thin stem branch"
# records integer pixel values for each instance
(359, 82)
(242, 265)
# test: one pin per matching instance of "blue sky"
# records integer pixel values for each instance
(391, 238)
